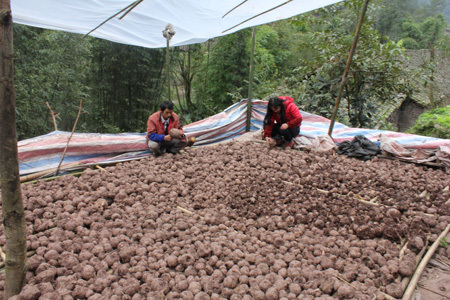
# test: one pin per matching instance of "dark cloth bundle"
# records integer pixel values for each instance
(360, 147)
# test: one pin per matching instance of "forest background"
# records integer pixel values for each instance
(304, 57)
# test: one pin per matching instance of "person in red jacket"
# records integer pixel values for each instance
(159, 135)
(282, 122)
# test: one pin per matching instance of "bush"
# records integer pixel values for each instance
(435, 122)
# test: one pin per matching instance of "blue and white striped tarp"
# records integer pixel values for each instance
(44, 152)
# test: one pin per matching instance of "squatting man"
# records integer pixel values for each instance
(165, 131)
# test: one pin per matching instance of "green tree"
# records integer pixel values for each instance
(127, 84)
(435, 122)
(228, 69)
(376, 74)
(53, 67)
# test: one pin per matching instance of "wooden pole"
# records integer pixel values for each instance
(128, 8)
(168, 33)
(68, 140)
(412, 284)
(347, 67)
(12, 205)
(264, 12)
(168, 70)
(250, 82)
(53, 116)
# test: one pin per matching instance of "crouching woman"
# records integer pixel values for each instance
(282, 122)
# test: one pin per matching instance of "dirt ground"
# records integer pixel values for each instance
(235, 221)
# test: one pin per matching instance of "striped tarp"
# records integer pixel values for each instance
(45, 152)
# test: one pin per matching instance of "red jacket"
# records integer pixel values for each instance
(155, 128)
(292, 114)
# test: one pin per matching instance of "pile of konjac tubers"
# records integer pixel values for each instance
(232, 221)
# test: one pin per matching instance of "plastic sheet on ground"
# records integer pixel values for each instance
(45, 152)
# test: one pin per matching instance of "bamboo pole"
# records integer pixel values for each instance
(168, 70)
(45, 172)
(68, 140)
(168, 33)
(53, 116)
(347, 67)
(412, 284)
(250, 82)
(234, 8)
(129, 7)
(264, 12)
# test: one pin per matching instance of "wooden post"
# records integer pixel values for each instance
(168, 33)
(347, 67)
(168, 70)
(250, 82)
(13, 212)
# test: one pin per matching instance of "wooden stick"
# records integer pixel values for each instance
(264, 12)
(122, 10)
(402, 251)
(412, 284)
(54, 177)
(100, 168)
(406, 280)
(68, 140)
(131, 8)
(53, 116)
(185, 210)
(234, 8)
(360, 199)
(46, 172)
(323, 191)
(2, 254)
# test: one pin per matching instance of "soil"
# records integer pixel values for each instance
(233, 221)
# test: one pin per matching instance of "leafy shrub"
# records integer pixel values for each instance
(435, 122)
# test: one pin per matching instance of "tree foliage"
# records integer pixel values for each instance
(228, 71)
(53, 67)
(435, 122)
(376, 74)
(127, 83)
(303, 56)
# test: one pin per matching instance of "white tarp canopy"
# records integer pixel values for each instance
(194, 21)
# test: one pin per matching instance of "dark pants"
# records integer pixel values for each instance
(173, 146)
(287, 134)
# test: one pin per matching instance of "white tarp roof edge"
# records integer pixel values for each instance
(194, 21)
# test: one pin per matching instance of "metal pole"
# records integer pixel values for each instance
(347, 67)
(250, 82)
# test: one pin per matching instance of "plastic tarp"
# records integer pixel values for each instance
(44, 152)
(194, 21)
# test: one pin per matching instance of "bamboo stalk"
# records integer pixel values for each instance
(234, 8)
(122, 10)
(347, 66)
(323, 191)
(53, 116)
(100, 168)
(54, 177)
(68, 140)
(264, 12)
(406, 280)
(2, 254)
(412, 284)
(185, 210)
(402, 251)
(46, 172)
